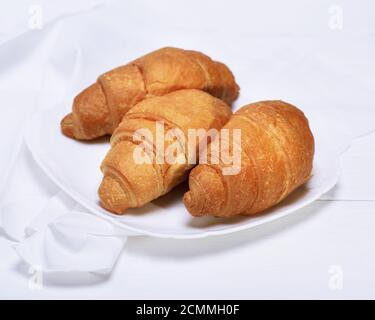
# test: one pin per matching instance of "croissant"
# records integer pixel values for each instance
(129, 183)
(276, 150)
(99, 109)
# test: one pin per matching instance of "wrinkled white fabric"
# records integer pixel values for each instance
(54, 237)
(329, 74)
(74, 241)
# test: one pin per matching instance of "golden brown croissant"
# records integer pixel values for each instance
(129, 183)
(99, 109)
(276, 151)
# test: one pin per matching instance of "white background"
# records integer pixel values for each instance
(293, 50)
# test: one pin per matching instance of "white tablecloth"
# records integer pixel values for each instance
(316, 55)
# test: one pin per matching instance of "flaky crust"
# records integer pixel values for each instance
(127, 184)
(99, 109)
(277, 149)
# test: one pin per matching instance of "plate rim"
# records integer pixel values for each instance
(134, 231)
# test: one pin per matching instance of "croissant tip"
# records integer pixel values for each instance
(112, 196)
(187, 200)
(192, 205)
(67, 126)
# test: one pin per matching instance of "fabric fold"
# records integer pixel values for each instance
(74, 242)
(54, 237)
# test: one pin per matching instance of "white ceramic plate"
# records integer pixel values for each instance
(74, 167)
